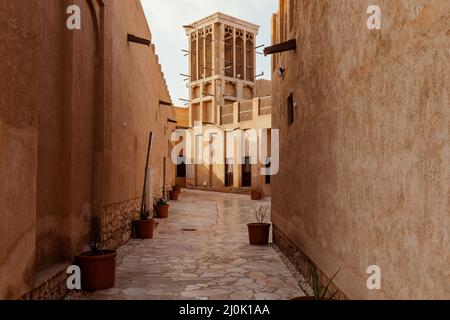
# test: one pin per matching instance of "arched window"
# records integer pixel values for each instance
(240, 55)
(229, 48)
(194, 57)
(209, 53)
(201, 54)
(250, 58)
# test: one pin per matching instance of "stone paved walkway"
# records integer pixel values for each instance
(213, 262)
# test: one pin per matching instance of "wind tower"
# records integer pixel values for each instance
(222, 65)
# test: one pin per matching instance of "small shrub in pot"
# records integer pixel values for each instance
(177, 188)
(162, 208)
(259, 231)
(174, 195)
(320, 291)
(256, 195)
(98, 266)
(143, 228)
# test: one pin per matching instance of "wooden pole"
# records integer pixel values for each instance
(146, 172)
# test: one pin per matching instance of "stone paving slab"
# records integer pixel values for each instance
(211, 261)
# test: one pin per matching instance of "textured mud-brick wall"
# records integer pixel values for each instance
(53, 288)
(364, 167)
(117, 222)
(302, 263)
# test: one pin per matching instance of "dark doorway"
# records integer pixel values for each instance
(181, 169)
(229, 174)
(267, 177)
(247, 173)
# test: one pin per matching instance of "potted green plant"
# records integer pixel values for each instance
(162, 208)
(174, 194)
(256, 195)
(143, 228)
(259, 232)
(98, 266)
(319, 291)
(177, 188)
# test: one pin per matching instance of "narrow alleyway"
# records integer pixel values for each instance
(202, 252)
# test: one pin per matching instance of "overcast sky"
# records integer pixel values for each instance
(167, 17)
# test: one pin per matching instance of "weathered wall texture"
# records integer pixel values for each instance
(75, 113)
(263, 88)
(366, 160)
(18, 145)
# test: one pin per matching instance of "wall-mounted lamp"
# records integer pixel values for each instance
(281, 72)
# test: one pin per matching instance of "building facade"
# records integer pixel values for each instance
(76, 110)
(225, 96)
(364, 149)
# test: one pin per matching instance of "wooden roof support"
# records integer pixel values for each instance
(164, 103)
(281, 47)
(135, 39)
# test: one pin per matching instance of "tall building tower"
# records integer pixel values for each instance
(222, 65)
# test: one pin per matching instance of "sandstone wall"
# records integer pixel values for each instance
(364, 177)
(18, 145)
(75, 113)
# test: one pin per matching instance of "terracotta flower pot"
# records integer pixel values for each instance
(304, 299)
(259, 233)
(256, 195)
(143, 229)
(177, 189)
(162, 212)
(174, 195)
(97, 272)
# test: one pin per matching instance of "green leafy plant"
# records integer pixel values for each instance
(97, 245)
(145, 214)
(160, 202)
(321, 292)
(95, 242)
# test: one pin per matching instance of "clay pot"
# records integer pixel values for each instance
(256, 195)
(304, 299)
(177, 189)
(162, 212)
(143, 229)
(259, 233)
(174, 195)
(97, 272)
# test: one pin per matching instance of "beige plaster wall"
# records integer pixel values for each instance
(366, 161)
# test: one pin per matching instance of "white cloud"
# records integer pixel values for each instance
(167, 17)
